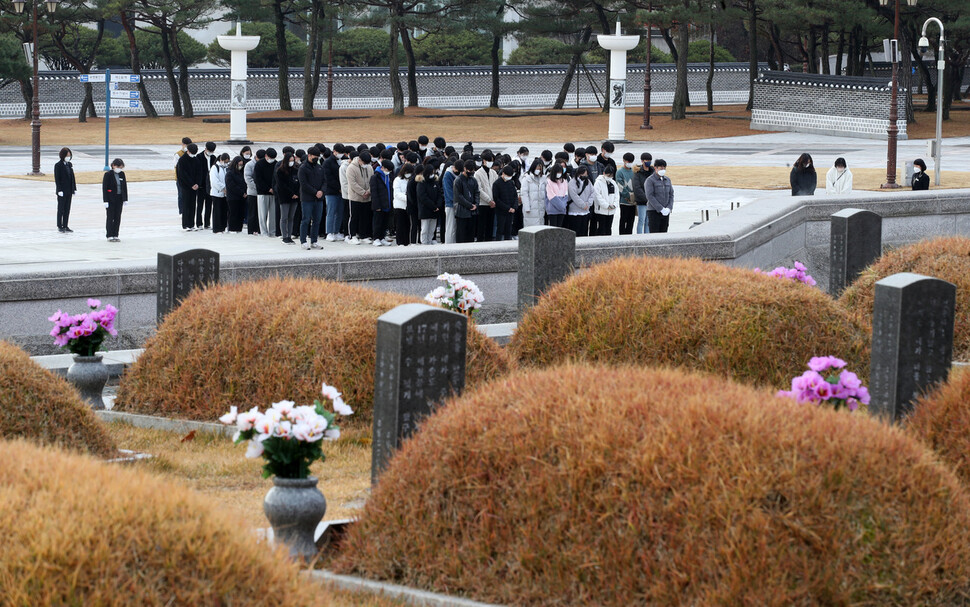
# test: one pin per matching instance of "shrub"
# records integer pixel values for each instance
(459, 48)
(944, 258)
(255, 343)
(84, 533)
(361, 47)
(37, 405)
(707, 316)
(621, 486)
(699, 51)
(540, 51)
(941, 419)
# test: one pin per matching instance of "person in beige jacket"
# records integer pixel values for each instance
(358, 192)
(486, 178)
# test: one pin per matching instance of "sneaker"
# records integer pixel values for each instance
(186, 229)
(314, 245)
(435, 241)
(288, 241)
(378, 243)
(115, 239)
(340, 237)
(68, 230)
(389, 241)
(354, 240)
(366, 240)
(331, 238)
(305, 245)
(61, 230)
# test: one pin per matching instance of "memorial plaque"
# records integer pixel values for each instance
(912, 341)
(180, 273)
(547, 255)
(856, 242)
(420, 363)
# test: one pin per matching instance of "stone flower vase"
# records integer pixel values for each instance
(294, 507)
(89, 375)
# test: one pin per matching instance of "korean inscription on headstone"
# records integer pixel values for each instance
(180, 273)
(420, 362)
(856, 242)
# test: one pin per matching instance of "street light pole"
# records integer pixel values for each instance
(646, 74)
(893, 130)
(924, 43)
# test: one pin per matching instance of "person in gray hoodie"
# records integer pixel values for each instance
(660, 198)
(252, 209)
(581, 196)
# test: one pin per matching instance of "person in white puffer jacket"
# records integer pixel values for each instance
(606, 194)
(533, 194)
(402, 222)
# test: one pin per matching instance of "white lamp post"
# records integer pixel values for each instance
(239, 45)
(618, 46)
(924, 45)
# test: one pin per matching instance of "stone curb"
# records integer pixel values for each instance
(163, 423)
(409, 595)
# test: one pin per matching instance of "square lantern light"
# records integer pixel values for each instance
(18, 6)
(887, 2)
(52, 5)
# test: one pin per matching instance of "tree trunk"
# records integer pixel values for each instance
(752, 51)
(183, 79)
(136, 66)
(775, 37)
(412, 67)
(496, 46)
(88, 100)
(825, 50)
(906, 72)
(665, 32)
(170, 72)
(571, 69)
(27, 90)
(930, 87)
(710, 72)
(840, 50)
(679, 109)
(605, 24)
(284, 70)
(310, 75)
(394, 67)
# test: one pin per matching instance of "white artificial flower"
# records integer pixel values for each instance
(274, 415)
(264, 426)
(332, 434)
(330, 392)
(303, 414)
(246, 420)
(302, 432)
(342, 408)
(283, 429)
(254, 449)
(229, 418)
(285, 407)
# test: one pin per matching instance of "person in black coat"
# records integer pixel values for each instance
(803, 178)
(921, 181)
(114, 191)
(466, 201)
(506, 199)
(310, 175)
(381, 197)
(191, 179)
(66, 187)
(414, 216)
(203, 211)
(335, 206)
(288, 194)
(430, 202)
(236, 194)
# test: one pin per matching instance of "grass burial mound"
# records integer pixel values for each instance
(255, 343)
(944, 258)
(689, 313)
(79, 532)
(625, 486)
(941, 419)
(37, 405)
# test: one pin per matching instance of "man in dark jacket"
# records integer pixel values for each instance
(114, 192)
(265, 201)
(334, 204)
(381, 197)
(466, 201)
(203, 210)
(311, 198)
(66, 187)
(506, 199)
(191, 179)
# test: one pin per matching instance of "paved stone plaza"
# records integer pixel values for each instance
(151, 223)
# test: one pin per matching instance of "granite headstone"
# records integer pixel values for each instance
(420, 363)
(180, 273)
(547, 255)
(855, 243)
(912, 341)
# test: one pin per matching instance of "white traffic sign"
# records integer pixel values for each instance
(123, 78)
(91, 77)
(125, 95)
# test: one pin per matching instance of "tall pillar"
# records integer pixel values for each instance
(618, 46)
(238, 46)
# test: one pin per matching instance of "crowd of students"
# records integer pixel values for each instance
(417, 192)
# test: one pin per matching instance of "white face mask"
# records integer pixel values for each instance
(487, 163)
(422, 147)
(606, 154)
(292, 163)
(591, 159)
(247, 156)
(523, 158)
(505, 177)
(407, 175)
(116, 169)
(191, 155)
(626, 165)
(67, 159)
(538, 173)
(662, 172)
(208, 153)
(916, 169)
(840, 170)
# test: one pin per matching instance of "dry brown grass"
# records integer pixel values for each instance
(941, 419)
(212, 465)
(682, 312)
(255, 343)
(776, 178)
(37, 405)
(606, 486)
(944, 258)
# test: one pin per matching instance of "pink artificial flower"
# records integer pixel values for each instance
(56, 318)
(850, 380)
(61, 340)
(820, 364)
(74, 332)
(94, 303)
(863, 395)
(824, 390)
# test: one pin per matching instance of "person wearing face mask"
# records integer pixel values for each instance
(803, 178)
(533, 194)
(310, 176)
(402, 221)
(438, 148)
(595, 169)
(335, 206)
(506, 200)
(921, 181)
(66, 187)
(191, 180)
(382, 196)
(266, 202)
(546, 157)
(660, 198)
(423, 146)
(430, 201)
(557, 196)
(358, 183)
(252, 204)
(838, 180)
(606, 155)
(486, 178)
(580, 202)
(203, 210)
(641, 173)
(414, 215)
(452, 170)
(288, 194)
(628, 205)
(217, 193)
(606, 196)
(236, 194)
(175, 161)
(349, 154)
(467, 200)
(114, 192)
